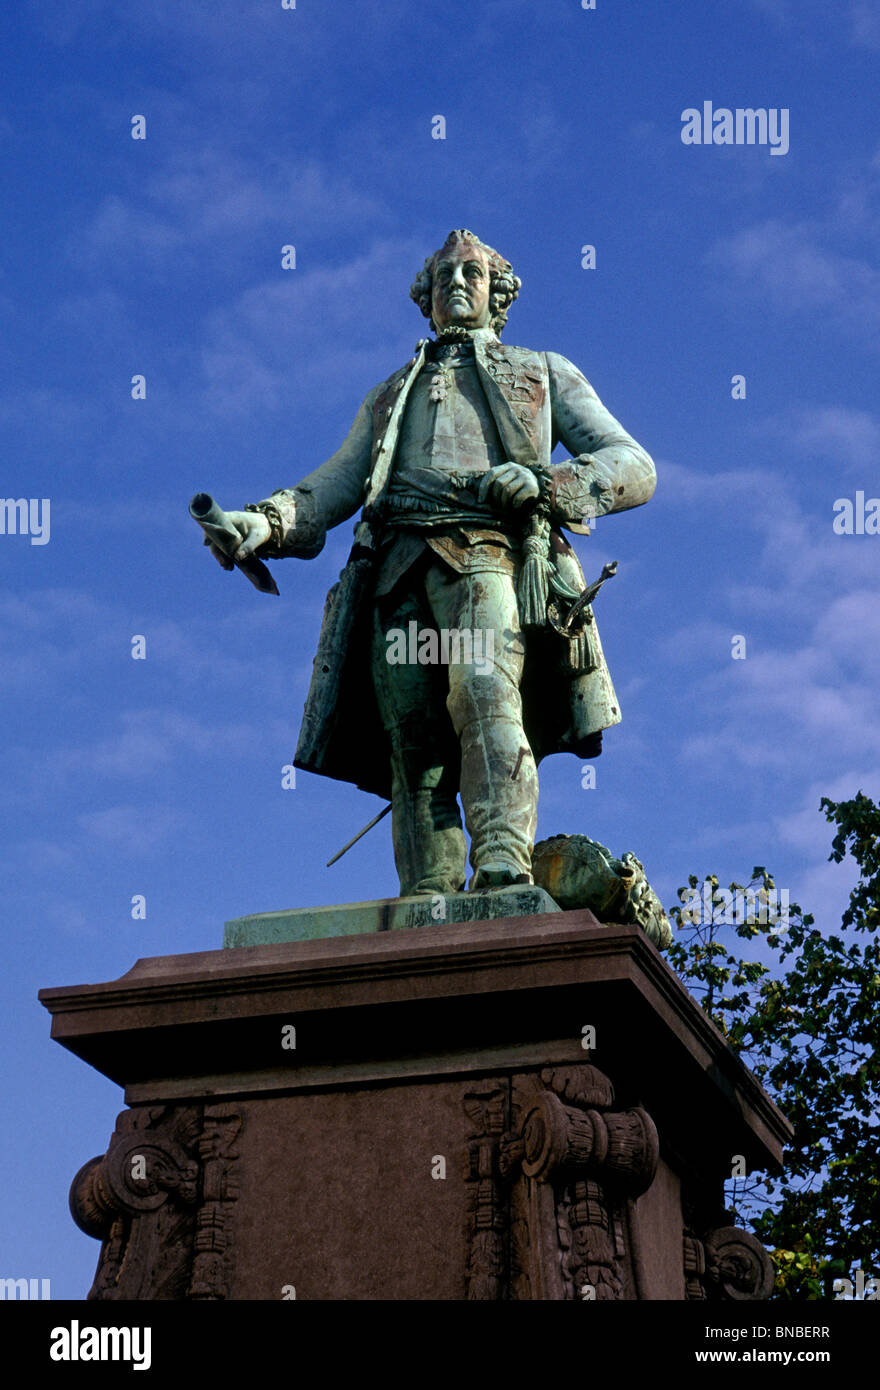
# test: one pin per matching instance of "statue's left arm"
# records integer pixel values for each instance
(608, 471)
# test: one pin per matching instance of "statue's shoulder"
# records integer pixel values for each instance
(559, 363)
(514, 352)
(565, 374)
(564, 377)
(554, 360)
(524, 362)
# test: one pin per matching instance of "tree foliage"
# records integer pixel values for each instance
(805, 1017)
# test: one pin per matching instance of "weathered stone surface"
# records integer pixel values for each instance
(386, 914)
(436, 1130)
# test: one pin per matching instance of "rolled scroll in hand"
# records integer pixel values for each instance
(221, 531)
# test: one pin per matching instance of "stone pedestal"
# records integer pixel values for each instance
(415, 1115)
(386, 914)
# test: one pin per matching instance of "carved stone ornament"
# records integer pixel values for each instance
(728, 1263)
(621, 1147)
(552, 1193)
(488, 1111)
(159, 1200)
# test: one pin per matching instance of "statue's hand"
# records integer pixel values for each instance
(253, 528)
(509, 485)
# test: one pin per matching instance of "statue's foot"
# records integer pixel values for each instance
(497, 874)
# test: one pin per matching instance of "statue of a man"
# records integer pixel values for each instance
(450, 459)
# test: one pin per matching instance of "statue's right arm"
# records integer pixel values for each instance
(301, 516)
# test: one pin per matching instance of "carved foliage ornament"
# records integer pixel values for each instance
(159, 1200)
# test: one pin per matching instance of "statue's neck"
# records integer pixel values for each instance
(457, 333)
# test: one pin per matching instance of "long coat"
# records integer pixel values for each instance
(537, 399)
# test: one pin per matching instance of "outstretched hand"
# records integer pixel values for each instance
(253, 528)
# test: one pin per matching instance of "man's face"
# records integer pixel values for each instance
(460, 291)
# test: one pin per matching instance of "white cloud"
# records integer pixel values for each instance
(60, 413)
(809, 687)
(36, 855)
(147, 739)
(309, 332)
(850, 629)
(67, 918)
(788, 709)
(730, 745)
(787, 265)
(802, 560)
(835, 434)
(204, 202)
(823, 888)
(134, 829)
(865, 25)
(807, 828)
(41, 633)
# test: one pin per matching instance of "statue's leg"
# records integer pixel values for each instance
(429, 845)
(499, 779)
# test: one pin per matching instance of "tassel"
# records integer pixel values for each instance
(534, 581)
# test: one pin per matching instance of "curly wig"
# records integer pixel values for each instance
(504, 286)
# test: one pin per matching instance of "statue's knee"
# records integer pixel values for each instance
(474, 697)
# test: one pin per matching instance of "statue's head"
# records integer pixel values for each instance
(465, 284)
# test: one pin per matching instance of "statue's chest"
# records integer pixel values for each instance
(447, 422)
(466, 414)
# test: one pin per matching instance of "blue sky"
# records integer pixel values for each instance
(163, 257)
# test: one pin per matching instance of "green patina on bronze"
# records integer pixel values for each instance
(461, 529)
(579, 872)
(386, 914)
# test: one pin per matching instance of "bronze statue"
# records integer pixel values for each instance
(459, 646)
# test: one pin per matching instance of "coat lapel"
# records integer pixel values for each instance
(385, 440)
